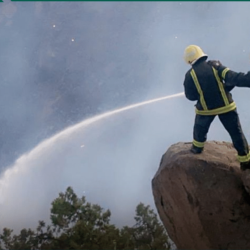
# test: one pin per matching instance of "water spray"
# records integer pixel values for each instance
(37, 176)
(20, 165)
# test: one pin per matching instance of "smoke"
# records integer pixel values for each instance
(114, 173)
(122, 53)
(100, 169)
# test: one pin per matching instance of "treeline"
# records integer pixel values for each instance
(77, 224)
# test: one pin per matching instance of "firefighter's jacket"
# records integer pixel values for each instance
(202, 83)
(233, 79)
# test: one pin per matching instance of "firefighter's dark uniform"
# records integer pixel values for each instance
(203, 83)
(230, 77)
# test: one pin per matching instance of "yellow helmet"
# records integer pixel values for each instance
(192, 53)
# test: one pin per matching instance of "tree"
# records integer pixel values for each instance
(77, 224)
(26, 240)
(82, 225)
(148, 232)
(5, 239)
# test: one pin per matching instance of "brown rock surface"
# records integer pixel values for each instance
(201, 199)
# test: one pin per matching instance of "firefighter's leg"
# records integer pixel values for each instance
(201, 127)
(232, 124)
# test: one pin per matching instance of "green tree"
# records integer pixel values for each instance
(127, 240)
(81, 225)
(148, 232)
(26, 240)
(77, 224)
(6, 239)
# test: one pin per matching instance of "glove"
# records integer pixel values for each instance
(215, 64)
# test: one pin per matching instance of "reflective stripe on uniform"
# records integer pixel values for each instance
(228, 107)
(244, 158)
(218, 111)
(198, 144)
(221, 87)
(196, 82)
(223, 73)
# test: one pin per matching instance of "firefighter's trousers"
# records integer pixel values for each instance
(231, 123)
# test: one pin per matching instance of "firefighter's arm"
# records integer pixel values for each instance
(230, 77)
(190, 90)
(222, 72)
(237, 79)
(228, 87)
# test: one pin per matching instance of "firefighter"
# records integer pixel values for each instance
(203, 84)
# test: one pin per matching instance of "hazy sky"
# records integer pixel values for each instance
(129, 52)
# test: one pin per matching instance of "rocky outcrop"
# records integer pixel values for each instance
(201, 199)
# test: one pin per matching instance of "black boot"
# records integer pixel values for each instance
(196, 150)
(245, 165)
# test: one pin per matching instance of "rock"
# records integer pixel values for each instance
(201, 199)
(246, 180)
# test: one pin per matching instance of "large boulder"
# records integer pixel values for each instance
(201, 199)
